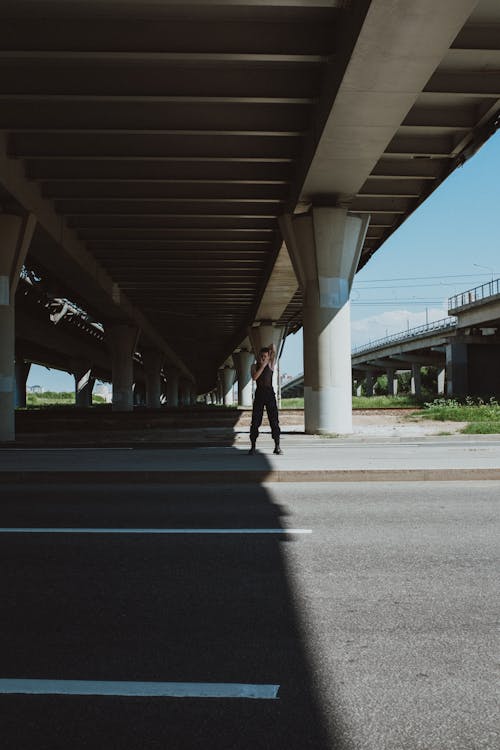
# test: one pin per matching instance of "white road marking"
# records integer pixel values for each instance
(73, 448)
(141, 689)
(90, 530)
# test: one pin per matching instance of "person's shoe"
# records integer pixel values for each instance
(277, 450)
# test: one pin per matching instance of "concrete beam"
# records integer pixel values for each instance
(280, 289)
(62, 343)
(381, 84)
(425, 358)
(74, 263)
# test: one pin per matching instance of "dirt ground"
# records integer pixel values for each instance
(372, 422)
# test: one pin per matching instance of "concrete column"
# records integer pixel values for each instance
(359, 390)
(185, 392)
(325, 245)
(441, 380)
(228, 376)
(392, 382)
(22, 370)
(123, 341)
(369, 383)
(153, 361)
(416, 380)
(84, 384)
(172, 387)
(139, 391)
(15, 237)
(187, 389)
(220, 387)
(457, 369)
(243, 361)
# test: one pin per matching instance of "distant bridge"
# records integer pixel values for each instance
(465, 350)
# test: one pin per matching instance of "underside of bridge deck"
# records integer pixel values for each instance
(157, 144)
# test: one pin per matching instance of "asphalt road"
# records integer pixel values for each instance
(378, 626)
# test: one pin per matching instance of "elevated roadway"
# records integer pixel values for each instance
(464, 348)
(158, 155)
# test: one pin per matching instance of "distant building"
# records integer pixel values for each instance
(35, 389)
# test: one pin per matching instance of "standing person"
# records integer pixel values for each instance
(262, 373)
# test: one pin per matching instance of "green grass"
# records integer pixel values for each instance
(482, 428)
(483, 417)
(384, 402)
(292, 403)
(363, 402)
(470, 410)
(52, 398)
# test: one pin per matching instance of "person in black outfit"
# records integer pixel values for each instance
(262, 373)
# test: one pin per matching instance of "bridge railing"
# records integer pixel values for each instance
(437, 325)
(490, 289)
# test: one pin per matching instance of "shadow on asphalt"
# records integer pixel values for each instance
(174, 608)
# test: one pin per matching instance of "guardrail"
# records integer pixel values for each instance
(490, 289)
(437, 325)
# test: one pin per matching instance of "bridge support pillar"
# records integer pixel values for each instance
(325, 245)
(228, 377)
(392, 382)
(190, 393)
(185, 392)
(153, 361)
(220, 388)
(472, 367)
(243, 361)
(123, 341)
(84, 384)
(416, 380)
(172, 387)
(369, 383)
(441, 381)
(457, 380)
(15, 237)
(139, 393)
(22, 370)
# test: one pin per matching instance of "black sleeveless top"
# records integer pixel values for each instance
(265, 379)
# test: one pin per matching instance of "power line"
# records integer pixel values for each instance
(397, 303)
(425, 278)
(407, 286)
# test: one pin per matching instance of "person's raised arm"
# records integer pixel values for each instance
(272, 356)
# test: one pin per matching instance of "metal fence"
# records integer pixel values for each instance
(477, 294)
(437, 325)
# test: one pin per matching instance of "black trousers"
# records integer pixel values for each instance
(264, 397)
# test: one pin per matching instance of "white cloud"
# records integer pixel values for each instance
(376, 327)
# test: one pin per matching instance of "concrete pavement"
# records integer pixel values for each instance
(305, 458)
(378, 626)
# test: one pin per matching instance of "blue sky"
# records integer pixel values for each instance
(450, 244)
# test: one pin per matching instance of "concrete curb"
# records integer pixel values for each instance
(249, 477)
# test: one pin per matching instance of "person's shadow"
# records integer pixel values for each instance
(190, 608)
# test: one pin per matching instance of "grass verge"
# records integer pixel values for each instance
(483, 417)
(364, 402)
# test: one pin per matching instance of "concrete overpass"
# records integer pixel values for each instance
(465, 349)
(198, 176)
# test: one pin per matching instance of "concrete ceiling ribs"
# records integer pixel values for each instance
(157, 143)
